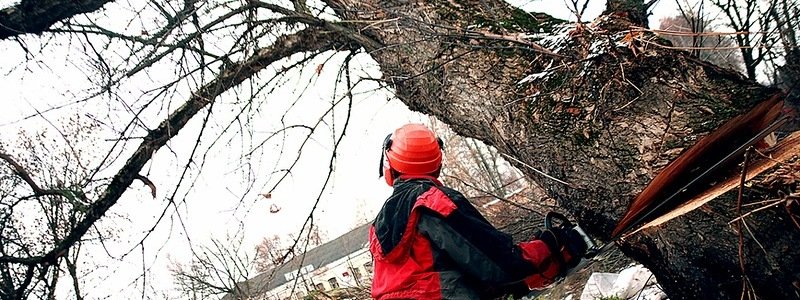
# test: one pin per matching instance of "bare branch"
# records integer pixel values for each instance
(27, 281)
(37, 190)
(306, 40)
(22, 173)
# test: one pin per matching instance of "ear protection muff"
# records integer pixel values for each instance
(385, 169)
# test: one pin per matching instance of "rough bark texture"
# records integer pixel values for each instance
(34, 16)
(633, 10)
(605, 120)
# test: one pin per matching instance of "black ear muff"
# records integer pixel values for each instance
(387, 143)
(441, 143)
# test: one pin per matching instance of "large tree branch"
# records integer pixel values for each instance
(18, 169)
(34, 16)
(21, 172)
(311, 39)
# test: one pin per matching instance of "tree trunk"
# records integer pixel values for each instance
(605, 114)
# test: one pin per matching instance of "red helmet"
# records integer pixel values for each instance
(413, 149)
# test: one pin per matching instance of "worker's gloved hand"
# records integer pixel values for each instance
(566, 243)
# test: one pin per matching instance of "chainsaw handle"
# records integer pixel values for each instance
(592, 248)
(551, 216)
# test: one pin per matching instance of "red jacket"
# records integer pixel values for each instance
(429, 242)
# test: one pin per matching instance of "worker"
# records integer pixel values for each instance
(429, 242)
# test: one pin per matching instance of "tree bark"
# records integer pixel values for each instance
(34, 16)
(605, 114)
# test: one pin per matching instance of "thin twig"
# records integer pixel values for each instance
(537, 170)
(686, 33)
(494, 195)
(739, 224)
(705, 48)
(775, 203)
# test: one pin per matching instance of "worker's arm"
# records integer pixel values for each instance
(486, 254)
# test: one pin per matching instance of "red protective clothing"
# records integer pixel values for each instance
(429, 242)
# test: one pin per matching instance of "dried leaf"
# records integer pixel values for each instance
(628, 38)
(575, 111)
(148, 183)
(274, 208)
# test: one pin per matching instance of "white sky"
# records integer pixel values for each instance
(212, 208)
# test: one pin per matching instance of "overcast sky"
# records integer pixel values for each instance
(56, 76)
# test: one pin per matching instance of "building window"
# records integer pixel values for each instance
(334, 284)
(319, 287)
(300, 295)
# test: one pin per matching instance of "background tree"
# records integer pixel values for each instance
(224, 267)
(694, 31)
(273, 251)
(476, 169)
(748, 19)
(269, 254)
(500, 191)
(599, 111)
(214, 271)
(44, 193)
(786, 15)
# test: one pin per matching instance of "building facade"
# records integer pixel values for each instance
(339, 269)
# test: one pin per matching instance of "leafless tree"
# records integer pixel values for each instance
(476, 169)
(497, 188)
(215, 270)
(274, 250)
(785, 16)
(748, 19)
(269, 254)
(694, 31)
(44, 193)
(596, 114)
